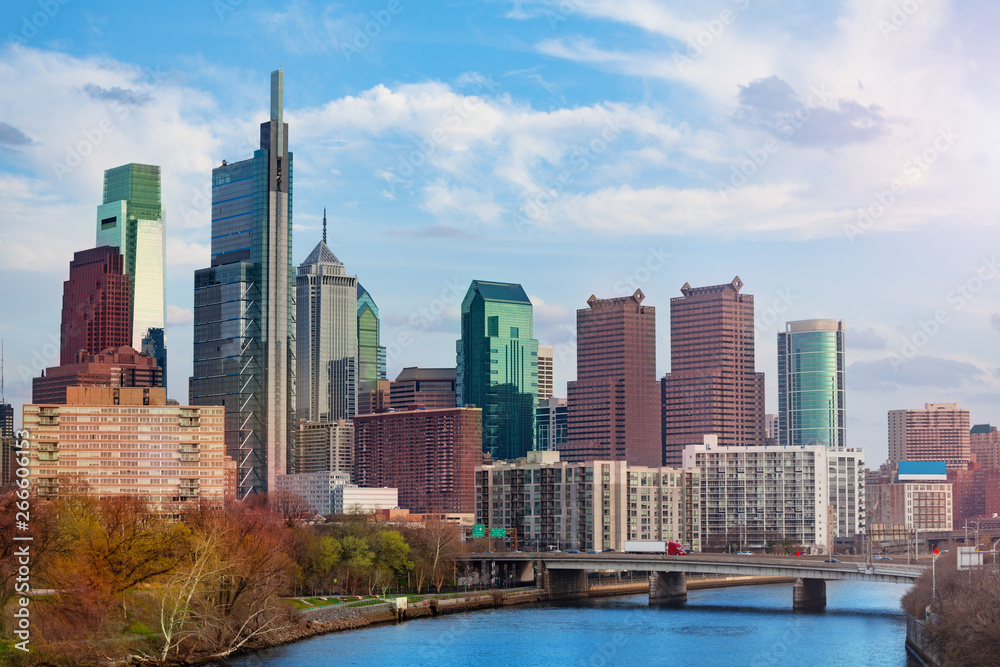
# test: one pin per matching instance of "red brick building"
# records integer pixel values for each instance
(975, 493)
(712, 386)
(96, 314)
(613, 410)
(121, 367)
(429, 455)
(984, 445)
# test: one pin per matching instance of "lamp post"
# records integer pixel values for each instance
(934, 576)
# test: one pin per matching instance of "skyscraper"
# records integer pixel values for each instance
(811, 384)
(371, 355)
(429, 387)
(545, 371)
(131, 219)
(712, 387)
(613, 407)
(326, 337)
(244, 319)
(939, 432)
(96, 311)
(498, 366)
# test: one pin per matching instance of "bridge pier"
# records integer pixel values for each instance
(667, 588)
(809, 594)
(565, 584)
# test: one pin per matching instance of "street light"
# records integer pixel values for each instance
(934, 576)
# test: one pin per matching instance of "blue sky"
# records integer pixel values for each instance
(577, 147)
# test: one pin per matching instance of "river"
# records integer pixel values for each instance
(752, 625)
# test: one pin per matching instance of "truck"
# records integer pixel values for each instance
(654, 547)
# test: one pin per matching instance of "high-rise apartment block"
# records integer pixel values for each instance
(498, 366)
(326, 338)
(545, 371)
(984, 445)
(545, 502)
(811, 384)
(551, 424)
(429, 455)
(975, 494)
(128, 441)
(939, 432)
(123, 367)
(756, 496)
(613, 406)
(324, 447)
(96, 311)
(712, 387)
(130, 218)
(428, 387)
(244, 317)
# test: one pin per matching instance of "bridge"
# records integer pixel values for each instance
(564, 575)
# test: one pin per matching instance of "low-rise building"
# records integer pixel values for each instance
(919, 497)
(331, 492)
(544, 502)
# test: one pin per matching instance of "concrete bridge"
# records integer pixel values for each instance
(564, 576)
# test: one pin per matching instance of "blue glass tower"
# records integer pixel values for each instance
(811, 384)
(244, 307)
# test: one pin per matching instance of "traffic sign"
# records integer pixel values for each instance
(498, 532)
(478, 530)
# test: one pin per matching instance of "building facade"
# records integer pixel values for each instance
(96, 311)
(984, 445)
(498, 366)
(939, 432)
(613, 405)
(123, 367)
(244, 317)
(130, 218)
(7, 464)
(371, 354)
(811, 385)
(326, 338)
(975, 494)
(544, 502)
(712, 387)
(429, 455)
(429, 387)
(128, 442)
(546, 368)
(918, 498)
(325, 447)
(778, 496)
(551, 424)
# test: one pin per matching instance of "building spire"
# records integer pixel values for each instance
(2, 400)
(324, 224)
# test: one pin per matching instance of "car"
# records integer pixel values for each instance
(744, 553)
(831, 560)
(572, 551)
(881, 558)
(608, 551)
(591, 551)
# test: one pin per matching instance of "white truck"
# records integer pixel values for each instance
(654, 547)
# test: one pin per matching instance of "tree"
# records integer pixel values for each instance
(357, 561)
(436, 548)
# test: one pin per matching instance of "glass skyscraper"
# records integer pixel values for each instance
(498, 366)
(131, 219)
(244, 317)
(326, 337)
(811, 384)
(371, 355)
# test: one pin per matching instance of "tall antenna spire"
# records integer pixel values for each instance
(324, 224)
(2, 400)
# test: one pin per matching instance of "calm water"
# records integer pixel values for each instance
(753, 625)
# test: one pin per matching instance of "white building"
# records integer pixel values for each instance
(351, 499)
(332, 493)
(772, 495)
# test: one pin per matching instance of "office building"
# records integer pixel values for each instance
(244, 319)
(551, 424)
(919, 497)
(939, 432)
(128, 441)
(130, 218)
(614, 406)
(778, 496)
(376, 400)
(770, 429)
(544, 502)
(7, 463)
(545, 371)
(123, 367)
(712, 387)
(429, 455)
(429, 387)
(332, 493)
(984, 445)
(96, 313)
(325, 447)
(498, 366)
(326, 337)
(811, 384)
(371, 354)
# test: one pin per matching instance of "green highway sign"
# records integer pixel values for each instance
(478, 530)
(498, 532)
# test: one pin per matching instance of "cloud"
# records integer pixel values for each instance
(11, 137)
(995, 321)
(177, 316)
(433, 232)
(549, 313)
(865, 339)
(921, 371)
(116, 94)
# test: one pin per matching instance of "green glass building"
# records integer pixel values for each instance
(811, 384)
(131, 219)
(498, 366)
(371, 355)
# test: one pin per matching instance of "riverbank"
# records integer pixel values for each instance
(326, 620)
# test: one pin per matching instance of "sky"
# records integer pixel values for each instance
(840, 157)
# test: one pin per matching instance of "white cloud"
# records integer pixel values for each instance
(177, 316)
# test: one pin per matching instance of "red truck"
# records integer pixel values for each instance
(654, 547)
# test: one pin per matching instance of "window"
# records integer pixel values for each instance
(514, 332)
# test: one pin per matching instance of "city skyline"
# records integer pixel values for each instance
(920, 300)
